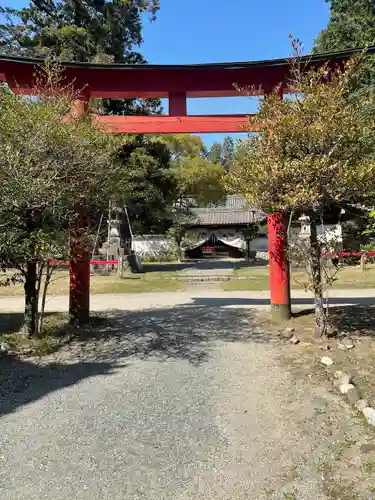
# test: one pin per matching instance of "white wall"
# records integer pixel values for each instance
(152, 245)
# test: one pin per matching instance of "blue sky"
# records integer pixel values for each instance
(198, 31)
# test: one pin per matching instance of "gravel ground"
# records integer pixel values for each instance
(179, 403)
(202, 296)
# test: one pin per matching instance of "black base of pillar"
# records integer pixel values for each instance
(281, 311)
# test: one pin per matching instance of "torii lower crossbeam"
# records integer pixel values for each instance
(207, 124)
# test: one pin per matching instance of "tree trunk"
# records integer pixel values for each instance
(31, 301)
(47, 281)
(31, 279)
(316, 276)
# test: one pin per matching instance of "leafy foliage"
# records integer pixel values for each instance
(228, 152)
(351, 24)
(79, 30)
(214, 155)
(150, 187)
(312, 149)
(223, 153)
(84, 31)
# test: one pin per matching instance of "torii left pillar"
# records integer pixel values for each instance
(79, 285)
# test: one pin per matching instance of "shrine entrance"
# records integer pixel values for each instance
(214, 247)
(177, 83)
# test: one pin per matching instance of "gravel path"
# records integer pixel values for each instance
(177, 403)
(199, 296)
(211, 268)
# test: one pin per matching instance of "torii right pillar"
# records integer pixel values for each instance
(279, 266)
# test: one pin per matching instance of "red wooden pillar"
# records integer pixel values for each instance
(79, 285)
(279, 266)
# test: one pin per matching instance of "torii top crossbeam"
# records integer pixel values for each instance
(175, 82)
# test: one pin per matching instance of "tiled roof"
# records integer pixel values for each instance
(233, 212)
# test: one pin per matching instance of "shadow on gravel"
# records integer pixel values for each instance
(358, 319)
(22, 382)
(11, 322)
(186, 332)
(262, 301)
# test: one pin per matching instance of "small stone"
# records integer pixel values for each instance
(326, 361)
(27, 350)
(367, 447)
(4, 347)
(343, 378)
(331, 331)
(344, 388)
(287, 333)
(305, 344)
(347, 343)
(361, 404)
(294, 340)
(369, 414)
(352, 394)
(342, 347)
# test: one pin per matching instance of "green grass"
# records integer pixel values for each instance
(55, 330)
(369, 466)
(257, 278)
(131, 283)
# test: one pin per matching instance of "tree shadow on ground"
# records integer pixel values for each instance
(355, 319)
(23, 381)
(11, 322)
(253, 262)
(189, 333)
(186, 332)
(157, 267)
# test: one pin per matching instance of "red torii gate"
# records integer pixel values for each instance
(176, 83)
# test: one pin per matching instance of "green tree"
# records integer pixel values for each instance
(182, 145)
(84, 31)
(214, 154)
(228, 152)
(351, 24)
(77, 30)
(151, 188)
(312, 151)
(160, 171)
(52, 171)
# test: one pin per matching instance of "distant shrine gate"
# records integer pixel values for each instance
(176, 83)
